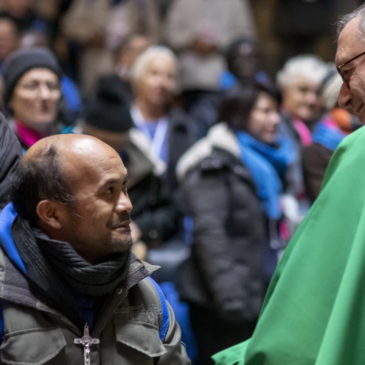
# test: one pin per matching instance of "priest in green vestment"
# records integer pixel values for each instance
(314, 310)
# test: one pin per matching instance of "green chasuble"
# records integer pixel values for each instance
(314, 310)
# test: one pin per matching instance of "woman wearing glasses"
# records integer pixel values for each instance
(31, 93)
(299, 81)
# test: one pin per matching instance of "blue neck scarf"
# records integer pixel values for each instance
(327, 135)
(266, 164)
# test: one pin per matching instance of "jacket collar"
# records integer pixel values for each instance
(14, 286)
(219, 136)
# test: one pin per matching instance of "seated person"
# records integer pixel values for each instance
(71, 288)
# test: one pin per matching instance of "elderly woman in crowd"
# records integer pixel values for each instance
(232, 181)
(167, 130)
(31, 94)
(299, 81)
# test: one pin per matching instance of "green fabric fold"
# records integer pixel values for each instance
(314, 310)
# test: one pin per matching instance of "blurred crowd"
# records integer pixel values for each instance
(225, 138)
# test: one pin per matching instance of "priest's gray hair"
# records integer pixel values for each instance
(360, 11)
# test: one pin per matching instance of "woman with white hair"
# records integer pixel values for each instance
(167, 130)
(299, 81)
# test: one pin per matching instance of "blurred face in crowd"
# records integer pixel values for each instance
(301, 99)
(243, 63)
(98, 223)
(9, 38)
(350, 62)
(126, 57)
(35, 99)
(157, 83)
(264, 119)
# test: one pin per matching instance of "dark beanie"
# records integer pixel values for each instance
(109, 112)
(21, 61)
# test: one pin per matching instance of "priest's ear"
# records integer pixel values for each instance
(50, 214)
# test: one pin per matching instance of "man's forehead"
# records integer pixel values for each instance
(89, 154)
(93, 170)
(92, 159)
(349, 42)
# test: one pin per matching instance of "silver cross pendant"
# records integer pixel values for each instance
(86, 341)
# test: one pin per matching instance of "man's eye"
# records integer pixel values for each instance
(303, 89)
(346, 75)
(53, 86)
(32, 86)
(110, 191)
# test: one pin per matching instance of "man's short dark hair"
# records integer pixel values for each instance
(37, 179)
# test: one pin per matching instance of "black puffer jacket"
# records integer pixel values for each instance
(10, 153)
(225, 269)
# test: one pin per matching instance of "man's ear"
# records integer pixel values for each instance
(49, 213)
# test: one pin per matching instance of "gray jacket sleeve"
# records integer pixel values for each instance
(176, 353)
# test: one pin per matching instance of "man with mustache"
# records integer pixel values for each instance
(71, 290)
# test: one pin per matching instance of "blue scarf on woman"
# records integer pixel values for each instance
(266, 164)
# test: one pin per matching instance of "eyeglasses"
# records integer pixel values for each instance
(342, 73)
(36, 86)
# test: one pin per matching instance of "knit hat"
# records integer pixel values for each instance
(109, 112)
(21, 61)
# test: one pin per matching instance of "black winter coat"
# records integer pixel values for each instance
(182, 134)
(225, 269)
(154, 210)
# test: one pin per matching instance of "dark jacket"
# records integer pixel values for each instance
(154, 210)
(10, 153)
(127, 325)
(225, 268)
